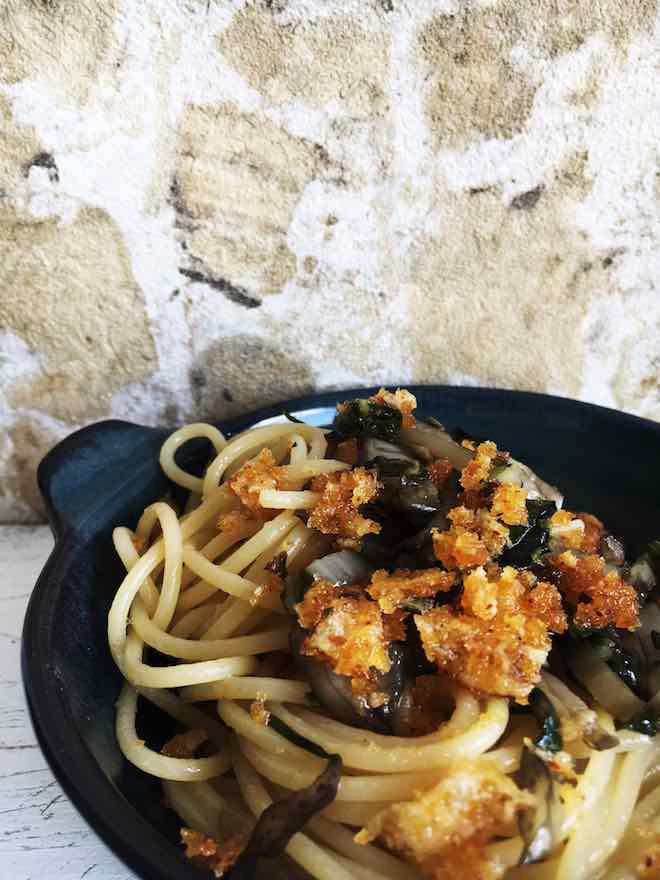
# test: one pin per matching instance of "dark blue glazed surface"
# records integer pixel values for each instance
(605, 461)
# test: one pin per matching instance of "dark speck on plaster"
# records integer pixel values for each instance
(527, 200)
(43, 160)
(228, 396)
(233, 292)
(197, 378)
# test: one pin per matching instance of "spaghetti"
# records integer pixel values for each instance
(425, 610)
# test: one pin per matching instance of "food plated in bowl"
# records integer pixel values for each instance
(404, 640)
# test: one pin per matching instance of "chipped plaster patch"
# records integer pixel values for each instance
(76, 304)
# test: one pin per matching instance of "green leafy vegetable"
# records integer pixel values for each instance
(418, 605)
(628, 665)
(300, 741)
(527, 544)
(365, 418)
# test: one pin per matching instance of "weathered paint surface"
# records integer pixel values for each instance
(208, 205)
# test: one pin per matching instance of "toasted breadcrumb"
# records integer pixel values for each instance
(342, 494)
(207, 853)
(479, 595)
(498, 653)
(347, 451)
(271, 585)
(600, 599)
(393, 590)
(236, 520)
(445, 830)
(439, 471)
(593, 532)
(261, 472)
(400, 399)
(184, 745)
(472, 539)
(566, 530)
(349, 633)
(458, 548)
(319, 597)
(509, 505)
(258, 711)
(476, 471)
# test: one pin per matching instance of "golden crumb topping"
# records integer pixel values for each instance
(472, 539)
(400, 399)
(258, 711)
(342, 494)
(593, 532)
(445, 830)
(498, 640)
(509, 505)
(476, 471)
(439, 471)
(600, 598)
(237, 520)
(566, 530)
(184, 745)
(261, 472)
(207, 853)
(349, 633)
(393, 590)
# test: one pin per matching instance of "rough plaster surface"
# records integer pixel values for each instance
(206, 205)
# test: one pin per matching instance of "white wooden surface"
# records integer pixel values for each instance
(41, 834)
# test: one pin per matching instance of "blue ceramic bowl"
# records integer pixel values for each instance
(605, 461)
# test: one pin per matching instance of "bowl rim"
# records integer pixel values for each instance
(131, 837)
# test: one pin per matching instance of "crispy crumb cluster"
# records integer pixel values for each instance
(499, 637)
(400, 399)
(258, 711)
(391, 591)
(474, 537)
(342, 494)
(184, 745)
(509, 504)
(261, 472)
(350, 633)
(445, 830)
(477, 470)
(599, 597)
(207, 853)
(237, 520)
(439, 470)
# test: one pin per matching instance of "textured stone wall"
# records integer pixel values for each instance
(206, 205)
